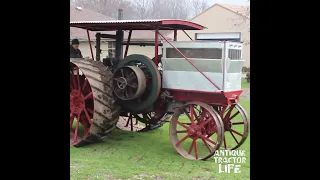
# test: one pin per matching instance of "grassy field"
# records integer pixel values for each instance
(149, 155)
(244, 83)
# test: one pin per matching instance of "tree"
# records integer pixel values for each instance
(145, 9)
(142, 8)
(198, 6)
(179, 9)
(243, 22)
(170, 9)
(107, 7)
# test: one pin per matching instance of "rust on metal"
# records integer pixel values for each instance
(112, 25)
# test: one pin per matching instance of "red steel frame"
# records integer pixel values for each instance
(219, 98)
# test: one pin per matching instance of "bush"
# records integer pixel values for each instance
(248, 77)
(245, 69)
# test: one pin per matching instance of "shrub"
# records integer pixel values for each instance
(248, 77)
(245, 69)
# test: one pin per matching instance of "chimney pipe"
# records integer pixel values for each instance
(120, 14)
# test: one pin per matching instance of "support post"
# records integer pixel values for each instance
(90, 44)
(156, 46)
(187, 35)
(98, 46)
(119, 39)
(128, 43)
(224, 64)
(175, 35)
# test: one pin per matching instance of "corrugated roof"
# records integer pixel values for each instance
(82, 14)
(115, 21)
(141, 24)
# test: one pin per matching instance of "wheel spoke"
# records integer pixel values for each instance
(234, 137)
(129, 76)
(191, 146)
(225, 142)
(77, 128)
(207, 145)
(84, 84)
(236, 132)
(181, 124)
(84, 124)
(122, 72)
(123, 92)
(126, 92)
(203, 123)
(196, 149)
(227, 116)
(182, 131)
(192, 114)
(203, 116)
(196, 117)
(87, 116)
(226, 109)
(116, 79)
(186, 112)
(237, 123)
(181, 140)
(234, 115)
(90, 110)
(135, 87)
(71, 121)
(89, 95)
(126, 74)
(85, 130)
(207, 139)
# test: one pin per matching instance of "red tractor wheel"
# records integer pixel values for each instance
(197, 134)
(236, 125)
(93, 113)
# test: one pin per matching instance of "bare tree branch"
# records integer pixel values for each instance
(198, 6)
(168, 9)
(242, 23)
(108, 7)
(142, 8)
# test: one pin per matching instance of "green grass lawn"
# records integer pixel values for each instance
(244, 83)
(146, 155)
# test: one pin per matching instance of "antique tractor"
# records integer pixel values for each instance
(196, 83)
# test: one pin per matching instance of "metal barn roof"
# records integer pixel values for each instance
(112, 25)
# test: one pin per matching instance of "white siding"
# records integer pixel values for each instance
(218, 19)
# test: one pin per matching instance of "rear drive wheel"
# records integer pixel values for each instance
(93, 113)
